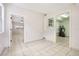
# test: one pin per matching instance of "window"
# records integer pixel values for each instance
(50, 22)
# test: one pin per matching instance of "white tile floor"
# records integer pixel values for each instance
(39, 48)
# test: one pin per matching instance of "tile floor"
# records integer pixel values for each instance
(39, 48)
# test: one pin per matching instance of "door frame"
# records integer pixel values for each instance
(10, 28)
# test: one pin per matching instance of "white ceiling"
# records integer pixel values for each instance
(60, 17)
(43, 7)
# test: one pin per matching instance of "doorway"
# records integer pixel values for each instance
(17, 31)
(62, 29)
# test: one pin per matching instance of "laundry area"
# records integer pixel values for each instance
(62, 29)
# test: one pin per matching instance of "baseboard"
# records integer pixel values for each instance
(32, 41)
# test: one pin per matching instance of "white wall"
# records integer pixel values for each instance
(33, 22)
(74, 41)
(4, 37)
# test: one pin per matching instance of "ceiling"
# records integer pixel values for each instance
(62, 17)
(43, 7)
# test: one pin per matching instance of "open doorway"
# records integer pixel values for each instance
(17, 30)
(62, 29)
